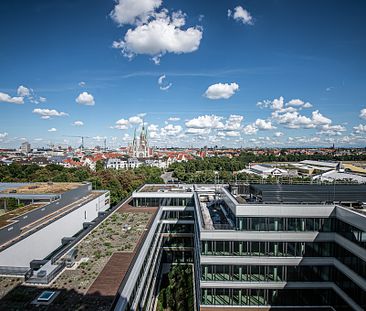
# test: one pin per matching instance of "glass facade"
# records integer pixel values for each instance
(283, 224)
(252, 248)
(178, 215)
(156, 202)
(267, 273)
(178, 245)
(285, 249)
(274, 297)
(273, 274)
(292, 224)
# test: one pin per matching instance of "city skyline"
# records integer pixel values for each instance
(236, 73)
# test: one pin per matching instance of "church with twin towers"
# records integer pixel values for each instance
(140, 146)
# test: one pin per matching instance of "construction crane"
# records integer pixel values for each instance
(82, 139)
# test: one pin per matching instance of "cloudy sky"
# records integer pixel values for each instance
(226, 73)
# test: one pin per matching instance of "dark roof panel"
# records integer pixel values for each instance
(309, 193)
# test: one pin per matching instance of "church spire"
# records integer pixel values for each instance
(134, 137)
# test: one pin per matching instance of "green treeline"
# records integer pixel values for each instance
(203, 170)
(119, 182)
(176, 293)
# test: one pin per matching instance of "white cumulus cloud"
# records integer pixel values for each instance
(132, 11)
(171, 130)
(6, 98)
(78, 123)
(232, 134)
(135, 120)
(363, 113)
(122, 124)
(241, 15)
(48, 113)
(299, 103)
(160, 35)
(250, 129)
(3, 135)
(198, 131)
(233, 122)
(221, 90)
(263, 124)
(206, 122)
(23, 91)
(85, 98)
(52, 129)
(361, 128)
(319, 119)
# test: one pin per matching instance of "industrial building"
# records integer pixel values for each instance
(293, 247)
(48, 217)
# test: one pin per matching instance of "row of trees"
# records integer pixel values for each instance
(209, 169)
(119, 182)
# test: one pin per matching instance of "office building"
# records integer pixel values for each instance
(299, 247)
(45, 220)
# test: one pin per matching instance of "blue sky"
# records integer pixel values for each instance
(232, 73)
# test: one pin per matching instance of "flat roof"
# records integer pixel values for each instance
(309, 193)
(179, 188)
(37, 188)
(8, 218)
(32, 224)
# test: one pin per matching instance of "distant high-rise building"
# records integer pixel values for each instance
(140, 147)
(25, 147)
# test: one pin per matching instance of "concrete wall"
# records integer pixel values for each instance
(44, 241)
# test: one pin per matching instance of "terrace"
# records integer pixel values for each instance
(215, 214)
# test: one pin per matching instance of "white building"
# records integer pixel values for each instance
(25, 147)
(265, 171)
(120, 164)
(156, 163)
(117, 164)
(65, 209)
